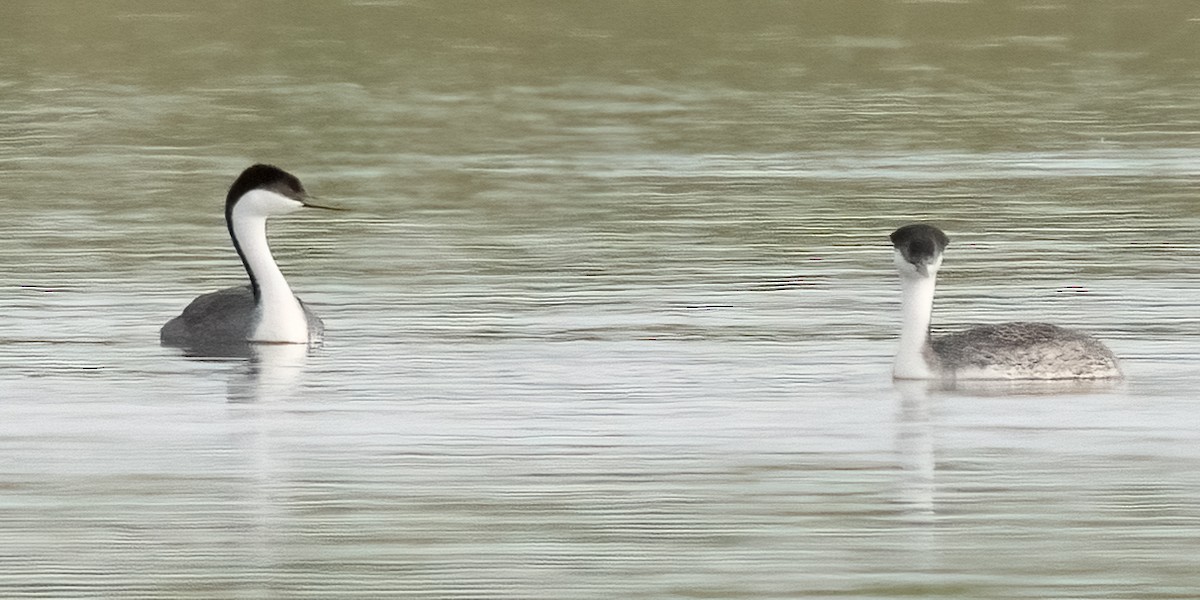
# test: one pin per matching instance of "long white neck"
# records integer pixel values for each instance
(280, 317)
(917, 309)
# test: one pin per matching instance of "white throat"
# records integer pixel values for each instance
(913, 355)
(280, 318)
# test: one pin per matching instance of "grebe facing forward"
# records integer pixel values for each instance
(265, 311)
(1005, 351)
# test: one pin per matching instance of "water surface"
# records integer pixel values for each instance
(613, 312)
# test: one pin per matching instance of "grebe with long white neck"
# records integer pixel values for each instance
(266, 311)
(1005, 351)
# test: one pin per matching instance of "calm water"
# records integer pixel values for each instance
(613, 313)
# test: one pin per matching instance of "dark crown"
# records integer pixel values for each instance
(919, 243)
(265, 177)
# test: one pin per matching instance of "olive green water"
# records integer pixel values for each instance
(613, 311)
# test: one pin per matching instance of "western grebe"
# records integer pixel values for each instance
(265, 311)
(1005, 351)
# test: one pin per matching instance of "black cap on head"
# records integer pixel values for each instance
(265, 177)
(919, 243)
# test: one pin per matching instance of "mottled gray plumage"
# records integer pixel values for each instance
(224, 318)
(1024, 351)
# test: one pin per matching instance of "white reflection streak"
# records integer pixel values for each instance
(273, 373)
(915, 450)
(263, 507)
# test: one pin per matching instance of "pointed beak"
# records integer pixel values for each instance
(312, 202)
(922, 269)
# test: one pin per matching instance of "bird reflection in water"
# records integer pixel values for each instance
(272, 372)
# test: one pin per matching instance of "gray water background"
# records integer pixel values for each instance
(613, 311)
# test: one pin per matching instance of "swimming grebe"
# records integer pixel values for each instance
(1005, 351)
(265, 311)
